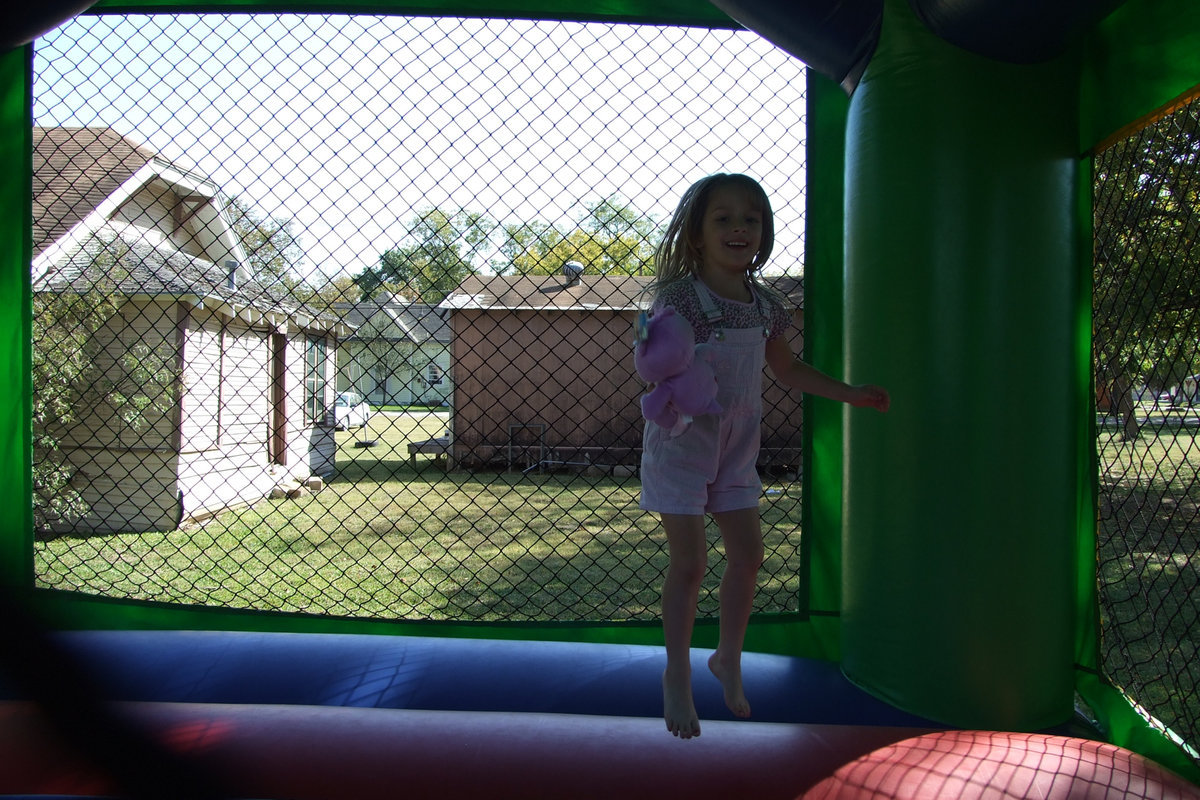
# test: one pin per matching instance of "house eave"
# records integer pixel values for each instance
(155, 169)
(275, 320)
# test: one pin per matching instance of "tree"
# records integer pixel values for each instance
(441, 249)
(83, 371)
(435, 258)
(627, 238)
(536, 248)
(387, 358)
(611, 238)
(273, 250)
(338, 289)
(1147, 256)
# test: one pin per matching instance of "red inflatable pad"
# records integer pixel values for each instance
(966, 765)
(333, 753)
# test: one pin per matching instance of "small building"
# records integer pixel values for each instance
(209, 389)
(543, 373)
(398, 354)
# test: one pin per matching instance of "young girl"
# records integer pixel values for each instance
(707, 268)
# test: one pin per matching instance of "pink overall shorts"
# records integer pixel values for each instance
(712, 466)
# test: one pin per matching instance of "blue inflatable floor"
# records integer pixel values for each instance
(430, 673)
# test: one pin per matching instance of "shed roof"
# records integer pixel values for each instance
(593, 292)
(543, 292)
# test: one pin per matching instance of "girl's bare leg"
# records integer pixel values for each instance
(689, 559)
(741, 533)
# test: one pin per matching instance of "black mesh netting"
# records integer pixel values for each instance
(1147, 333)
(308, 329)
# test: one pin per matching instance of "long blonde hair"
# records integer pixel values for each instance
(678, 254)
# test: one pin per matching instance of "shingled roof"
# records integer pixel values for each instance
(74, 171)
(591, 292)
(133, 266)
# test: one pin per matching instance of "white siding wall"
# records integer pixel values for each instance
(440, 394)
(126, 490)
(212, 445)
(201, 401)
(152, 210)
(224, 462)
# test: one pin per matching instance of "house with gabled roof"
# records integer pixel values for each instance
(398, 353)
(207, 388)
(543, 373)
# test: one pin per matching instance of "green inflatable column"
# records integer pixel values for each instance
(961, 297)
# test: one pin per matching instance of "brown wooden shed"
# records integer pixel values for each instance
(543, 373)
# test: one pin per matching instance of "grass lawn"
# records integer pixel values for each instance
(1149, 570)
(389, 539)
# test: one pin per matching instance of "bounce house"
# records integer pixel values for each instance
(952, 624)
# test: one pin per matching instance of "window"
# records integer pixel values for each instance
(434, 376)
(315, 381)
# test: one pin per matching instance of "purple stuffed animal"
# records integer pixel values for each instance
(684, 386)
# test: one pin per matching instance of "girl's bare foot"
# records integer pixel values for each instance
(679, 710)
(730, 677)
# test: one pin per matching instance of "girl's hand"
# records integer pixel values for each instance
(868, 395)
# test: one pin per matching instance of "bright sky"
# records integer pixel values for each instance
(349, 125)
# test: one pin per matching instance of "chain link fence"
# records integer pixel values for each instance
(1147, 334)
(333, 314)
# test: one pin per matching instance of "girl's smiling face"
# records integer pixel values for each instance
(732, 230)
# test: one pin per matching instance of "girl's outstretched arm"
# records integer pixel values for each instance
(800, 376)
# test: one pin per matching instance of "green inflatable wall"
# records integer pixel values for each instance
(961, 296)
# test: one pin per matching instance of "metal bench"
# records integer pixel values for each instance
(433, 447)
